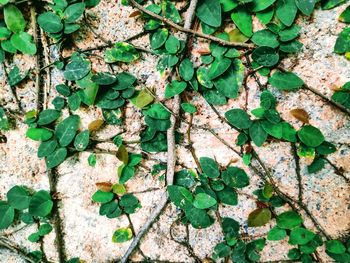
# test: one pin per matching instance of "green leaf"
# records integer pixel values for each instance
(329, 4)
(15, 76)
(276, 234)
(92, 160)
(73, 12)
(4, 2)
(265, 56)
(66, 130)
(186, 69)
(158, 111)
(265, 38)
(18, 197)
(238, 118)
(40, 204)
(14, 19)
(300, 236)
(259, 217)
(203, 77)
(170, 12)
(77, 69)
(35, 237)
(294, 253)
(47, 148)
(126, 174)
(209, 167)
(286, 11)
(143, 99)
(44, 229)
(316, 166)
(289, 33)
(50, 22)
(306, 6)
(209, 12)
(24, 43)
(289, 220)
(203, 201)
(326, 148)
(129, 203)
(266, 15)
(243, 20)
(285, 81)
(102, 197)
(174, 88)
(198, 218)
(172, 45)
(7, 215)
(39, 134)
(122, 52)
(221, 250)
(81, 141)
(259, 5)
(104, 78)
(48, 116)
(122, 235)
(188, 107)
(4, 123)
(235, 177)
(335, 247)
(310, 136)
(257, 133)
(180, 196)
(56, 158)
(159, 38)
(342, 45)
(228, 196)
(344, 16)
(218, 67)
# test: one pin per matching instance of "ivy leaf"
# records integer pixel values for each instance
(276, 234)
(92, 160)
(209, 167)
(238, 118)
(286, 11)
(81, 141)
(221, 250)
(289, 220)
(4, 123)
(218, 67)
(122, 52)
(175, 88)
(186, 69)
(159, 38)
(158, 111)
(342, 45)
(40, 204)
(104, 78)
(7, 215)
(243, 21)
(39, 134)
(24, 43)
(171, 12)
(187, 107)
(126, 173)
(310, 136)
(77, 69)
(14, 19)
(66, 130)
(289, 33)
(306, 6)
(50, 22)
(235, 177)
(335, 247)
(300, 114)
(122, 235)
(73, 12)
(265, 56)
(47, 148)
(345, 15)
(228, 196)
(265, 38)
(102, 197)
(329, 4)
(18, 197)
(285, 81)
(143, 99)
(259, 217)
(44, 229)
(300, 236)
(203, 201)
(257, 133)
(209, 12)
(180, 196)
(56, 158)
(48, 116)
(259, 5)
(198, 218)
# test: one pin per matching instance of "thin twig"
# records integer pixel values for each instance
(297, 171)
(190, 31)
(6, 243)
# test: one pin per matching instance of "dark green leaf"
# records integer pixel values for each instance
(238, 118)
(310, 136)
(285, 81)
(66, 130)
(50, 22)
(56, 158)
(40, 204)
(259, 217)
(209, 12)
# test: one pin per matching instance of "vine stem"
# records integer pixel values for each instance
(6, 243)
(171, 151)
(190, 31)
(297, 171)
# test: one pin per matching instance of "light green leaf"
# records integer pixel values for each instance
(122, 235)
(50, 22)
(14, 19)
(203, 201)
(39, 134)
(18, 197)
(310, 136)
(122, 52)
(73, 12)
(24, 43)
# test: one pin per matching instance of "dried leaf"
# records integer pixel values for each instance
(203, 51)
(300, 114)
(104, 186)
(135, 13)
(122, 154)
(95, 125)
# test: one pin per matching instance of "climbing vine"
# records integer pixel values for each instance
(236, 53)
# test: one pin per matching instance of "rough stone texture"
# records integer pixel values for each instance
(88, 235)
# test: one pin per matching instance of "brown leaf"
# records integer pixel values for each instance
(203, 51)
(95, 125)
(104, 186)
(122, 154)
(135, 13)
(300, 114)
